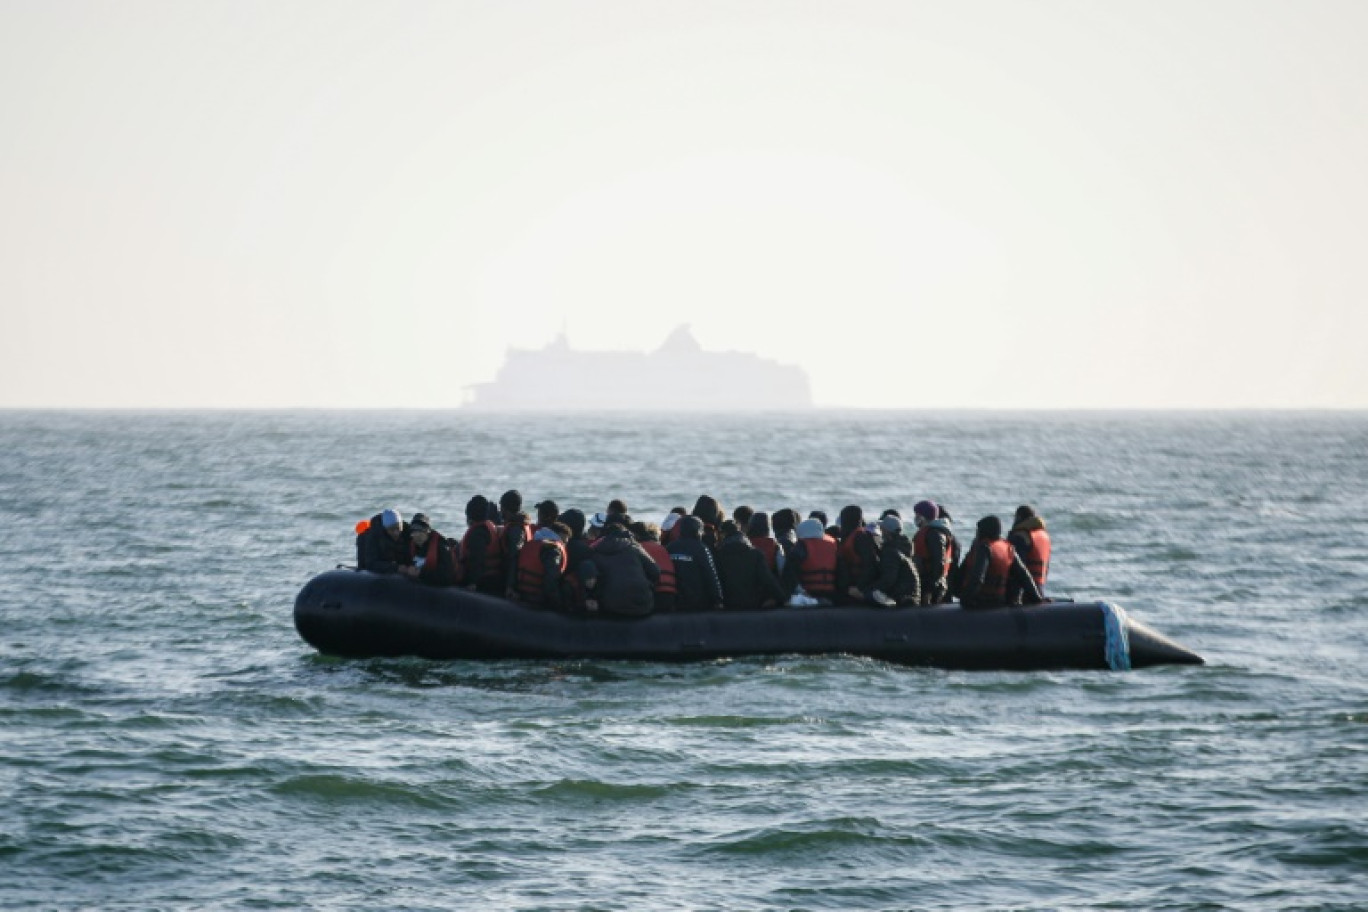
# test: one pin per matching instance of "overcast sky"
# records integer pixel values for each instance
(982, 204)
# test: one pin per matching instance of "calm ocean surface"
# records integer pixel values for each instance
(168, 742)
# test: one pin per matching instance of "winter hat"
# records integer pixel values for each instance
(391, 518)
(926, 509)
(891, 525)
(419, 523)
(669, 521)
(810, 528)
(598, 520)
(759, 524)
(990, 527)
(574, 519)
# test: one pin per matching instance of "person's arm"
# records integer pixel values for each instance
(973, 574)
(869, 562)
(712, 582)
(1021, 587)
(551, 576)
(788, 578)
(515, 538)
(770, 592)
(890, 560)
(479, 542)
(373, 555)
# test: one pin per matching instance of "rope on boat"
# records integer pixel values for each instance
(1117, 649)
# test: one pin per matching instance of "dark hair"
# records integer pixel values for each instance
(851, 518)
(613, 527)
(547, 511)
(1023, 512)
(743, 515)
(682, 511)
(709, 510)
(890, 512)
(990, 527)
(820, 516)
(477, 509)
(561, 529)
(727, 528)
(759, 525)
(644, 531)
(785, 520)
(616, 505)
(511, 501)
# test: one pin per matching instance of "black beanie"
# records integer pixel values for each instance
(990, 527)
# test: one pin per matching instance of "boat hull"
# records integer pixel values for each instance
(358, 614)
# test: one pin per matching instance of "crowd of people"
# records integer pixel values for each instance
(703, 560)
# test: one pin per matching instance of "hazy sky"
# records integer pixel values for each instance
(995, 204)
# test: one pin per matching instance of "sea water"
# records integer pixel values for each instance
(168, 742)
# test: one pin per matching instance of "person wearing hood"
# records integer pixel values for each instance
(993, 574)
(620, 576)
(669, 531)
(785, 523)
(579, 550)
(710, 511)
(811, 563)
(935, 553)
(383, 548)
(764, 541)
(747, 583)
(666, 590)
(515, 530)
(429, 554)
(1032, 542)
(481, 557)
(898, 582)
(696, 577)
(541, 568)
(857, 571)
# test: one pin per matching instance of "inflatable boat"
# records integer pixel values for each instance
(363, 615)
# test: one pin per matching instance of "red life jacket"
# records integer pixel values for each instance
(1037, 559)
(493, 554)
(663, 560)
(850, 557)
(817, 575)
(1000, 557)
(922, 553)
(770, 548)
(531, 573)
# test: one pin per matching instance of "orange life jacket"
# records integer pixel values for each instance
(770, 548)
(1000, 557)
(851, 557)
(531, 573)
(663, 560)
(493, 554)
(817, 575)
(922, 553)
(1037, 559)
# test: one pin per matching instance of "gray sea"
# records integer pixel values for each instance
(168, 742)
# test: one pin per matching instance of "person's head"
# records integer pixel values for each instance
(622, 519)
(613, 528)
(759, 526)
(1024, 512)
(595, 530)
(690, 527)
(393, 523)
(573, 519)
(890, 525)
(924, 512)
(680, 511)
(419, 529)
(890, 512)
(743, 515)
(989, 528)
(645, 531)
(728, 528)
(617, 505)
(670, 521)
(510, 502)
(477, 509)
(820, 516)
(942, 513)
(810, 528)
(709, 510)
(784, 521)
(562, 531)
(852, 517)
(547, 512)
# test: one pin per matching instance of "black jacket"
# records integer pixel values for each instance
(898, 577)
(746, 579)
(937, 584)
(867, 576)
(700, 588)
(479, 552)
(624, 574)
(377, 552)
(439, 573)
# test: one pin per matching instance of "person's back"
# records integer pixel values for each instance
(541, 568)
(898, 582)
(812, 563)
(579, 550)
(481, 554)
(759, 534)
(747, 583)
(696, 577)
(858, 567)
(648, 536)
(623, 574)
(993, 575)
(1032, 542)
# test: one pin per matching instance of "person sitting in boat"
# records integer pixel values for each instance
(617, 505)
(935, 552)
(548, 511)
(747, 583)
(827, 528)
(811, 564)
(785, 523)
(648, 536)
(541, 568)
(382, 547)
(696, 577)
(742, 515)
(668, 529)
(763, 539)
(993, 574)
(1032, 542)
(857, 569)
(480, 550)
(579, 550)
(594, 531)
(620, 577)
(429, 554)
(898, 582)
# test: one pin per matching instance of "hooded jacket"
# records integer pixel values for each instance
(377, 552)
(747, 582)
(936, 554)
(624, 574)
(700, 586)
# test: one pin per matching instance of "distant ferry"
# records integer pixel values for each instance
(678, 376)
